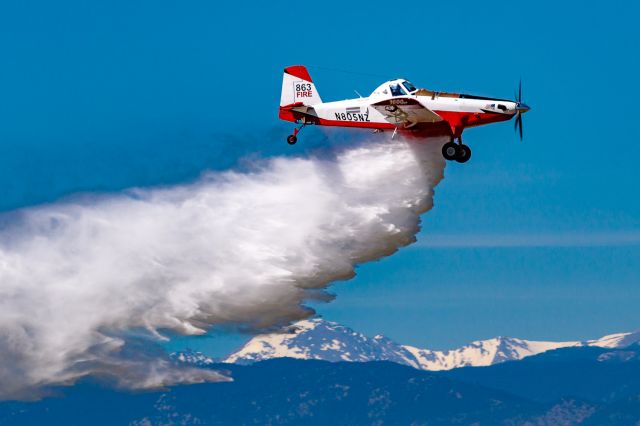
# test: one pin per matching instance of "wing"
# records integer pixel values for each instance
(405, 111)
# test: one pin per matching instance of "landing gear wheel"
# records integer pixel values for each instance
(450, 151)
(291, 139)
(464, 153)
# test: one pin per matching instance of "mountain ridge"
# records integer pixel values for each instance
(329, 341)
(565, 387)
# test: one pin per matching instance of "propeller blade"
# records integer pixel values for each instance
(517, 125)
(520, 125)
(520, 91)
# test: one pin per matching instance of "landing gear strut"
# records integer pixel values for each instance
(458, 152)
(292, 139)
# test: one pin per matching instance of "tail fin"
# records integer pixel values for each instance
(297, 87)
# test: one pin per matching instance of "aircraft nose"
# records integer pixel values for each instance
(522, 108)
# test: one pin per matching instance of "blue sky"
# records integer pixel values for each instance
(536, 239)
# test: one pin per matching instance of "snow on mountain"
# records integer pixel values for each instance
(483, 353)
(329, 341)
(192, 357)
(325, 340)
(618, 340)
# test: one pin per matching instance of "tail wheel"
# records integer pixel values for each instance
(464, 153)
(291, 139)
(450, 151)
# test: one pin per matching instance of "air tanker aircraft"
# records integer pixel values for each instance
(398, 106)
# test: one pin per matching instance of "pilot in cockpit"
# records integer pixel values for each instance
(396, 90)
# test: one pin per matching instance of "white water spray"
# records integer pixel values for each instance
(77, 278)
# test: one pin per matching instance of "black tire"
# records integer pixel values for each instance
(291, 139)
(450, 151)
(464, 154)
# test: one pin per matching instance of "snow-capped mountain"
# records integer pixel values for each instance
(192, 357)
(325, 340)
(329, 341)
(483, 352)
(618, 340)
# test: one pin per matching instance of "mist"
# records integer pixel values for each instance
(83, 280)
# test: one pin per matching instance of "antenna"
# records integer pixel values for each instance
(357, 93)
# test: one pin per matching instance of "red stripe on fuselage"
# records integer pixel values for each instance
(363, 124)
(465, 119)
(454, 122)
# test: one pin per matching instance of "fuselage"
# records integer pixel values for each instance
(457, 111)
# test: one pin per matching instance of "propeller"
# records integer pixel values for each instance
(521, 108)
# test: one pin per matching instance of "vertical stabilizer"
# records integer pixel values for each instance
(297, 87)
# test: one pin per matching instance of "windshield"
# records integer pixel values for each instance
(410, 87)
(396, 90)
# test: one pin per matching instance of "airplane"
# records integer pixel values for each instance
(398, 106)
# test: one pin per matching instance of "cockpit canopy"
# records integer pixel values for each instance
(399, 87)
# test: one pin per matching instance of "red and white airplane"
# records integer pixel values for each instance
(398, 106)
